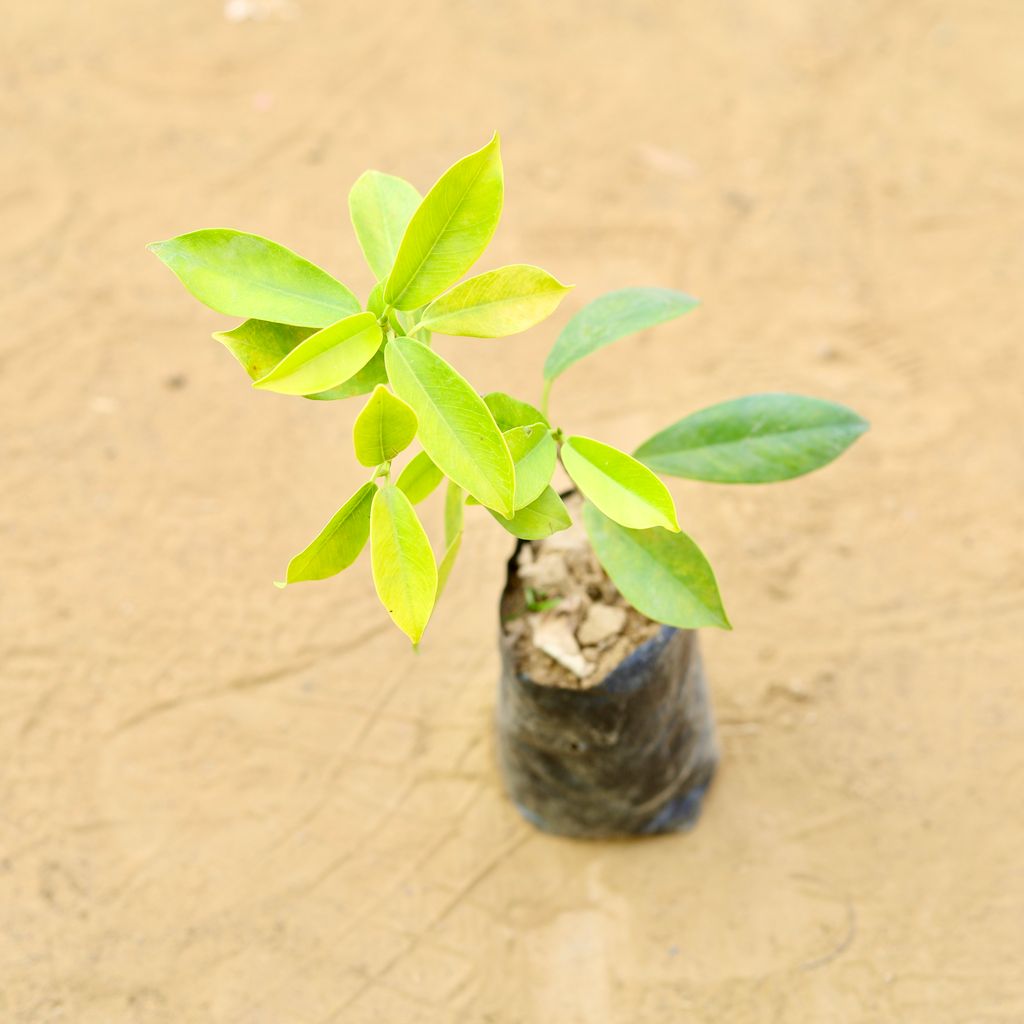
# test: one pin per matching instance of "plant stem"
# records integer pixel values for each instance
(544, 398)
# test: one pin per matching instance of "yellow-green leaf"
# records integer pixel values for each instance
(541, 518)
(360, 383)
(384, 427)
(380, 206)
(325, 359)
(404, 572)
(248, 276)
(456, 428)
(449, 230)
(493, 305)
(375, 300)
(534, 453)
(419, 478)
(338, 544)
(509, 412)
(622, 488)
(664, 575)
(259, 345)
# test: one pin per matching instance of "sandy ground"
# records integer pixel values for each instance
(223, 803)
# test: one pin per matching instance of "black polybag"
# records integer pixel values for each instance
(633, 755)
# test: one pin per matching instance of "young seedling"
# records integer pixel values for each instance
(304, 333)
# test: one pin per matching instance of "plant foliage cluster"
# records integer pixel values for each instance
(304, 333)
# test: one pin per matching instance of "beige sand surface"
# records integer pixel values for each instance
(223, 803)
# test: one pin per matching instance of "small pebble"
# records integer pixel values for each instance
(555, 638)
(547, 572)
(602, 623)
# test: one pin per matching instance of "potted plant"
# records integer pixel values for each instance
(604, 723)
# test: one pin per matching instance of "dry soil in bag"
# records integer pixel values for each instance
(632, 755)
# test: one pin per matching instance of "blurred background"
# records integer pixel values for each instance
(224, 803)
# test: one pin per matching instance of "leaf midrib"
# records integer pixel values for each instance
(277, 289)
(443, 418)
(678, 450)
(380, 432)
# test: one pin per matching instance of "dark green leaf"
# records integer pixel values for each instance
(611, 317)
(663, 575)
(754, 440)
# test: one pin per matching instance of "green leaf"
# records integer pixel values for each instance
(380, 206)
(541, 518)
(375, 300)
(419, 478)
(398, 322)
(259, 345)
(456, 429)
(338, 544)
(325, 359)
(249, 276)
(534, 453)
(754, 440)
(413, 319)
(618, 485)
(362, 383)
(404, 572)
(509, 412)
(384, 427)
(449, 230)
(611, 317)
(493, 305)
(453, 514)
(663, 575)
